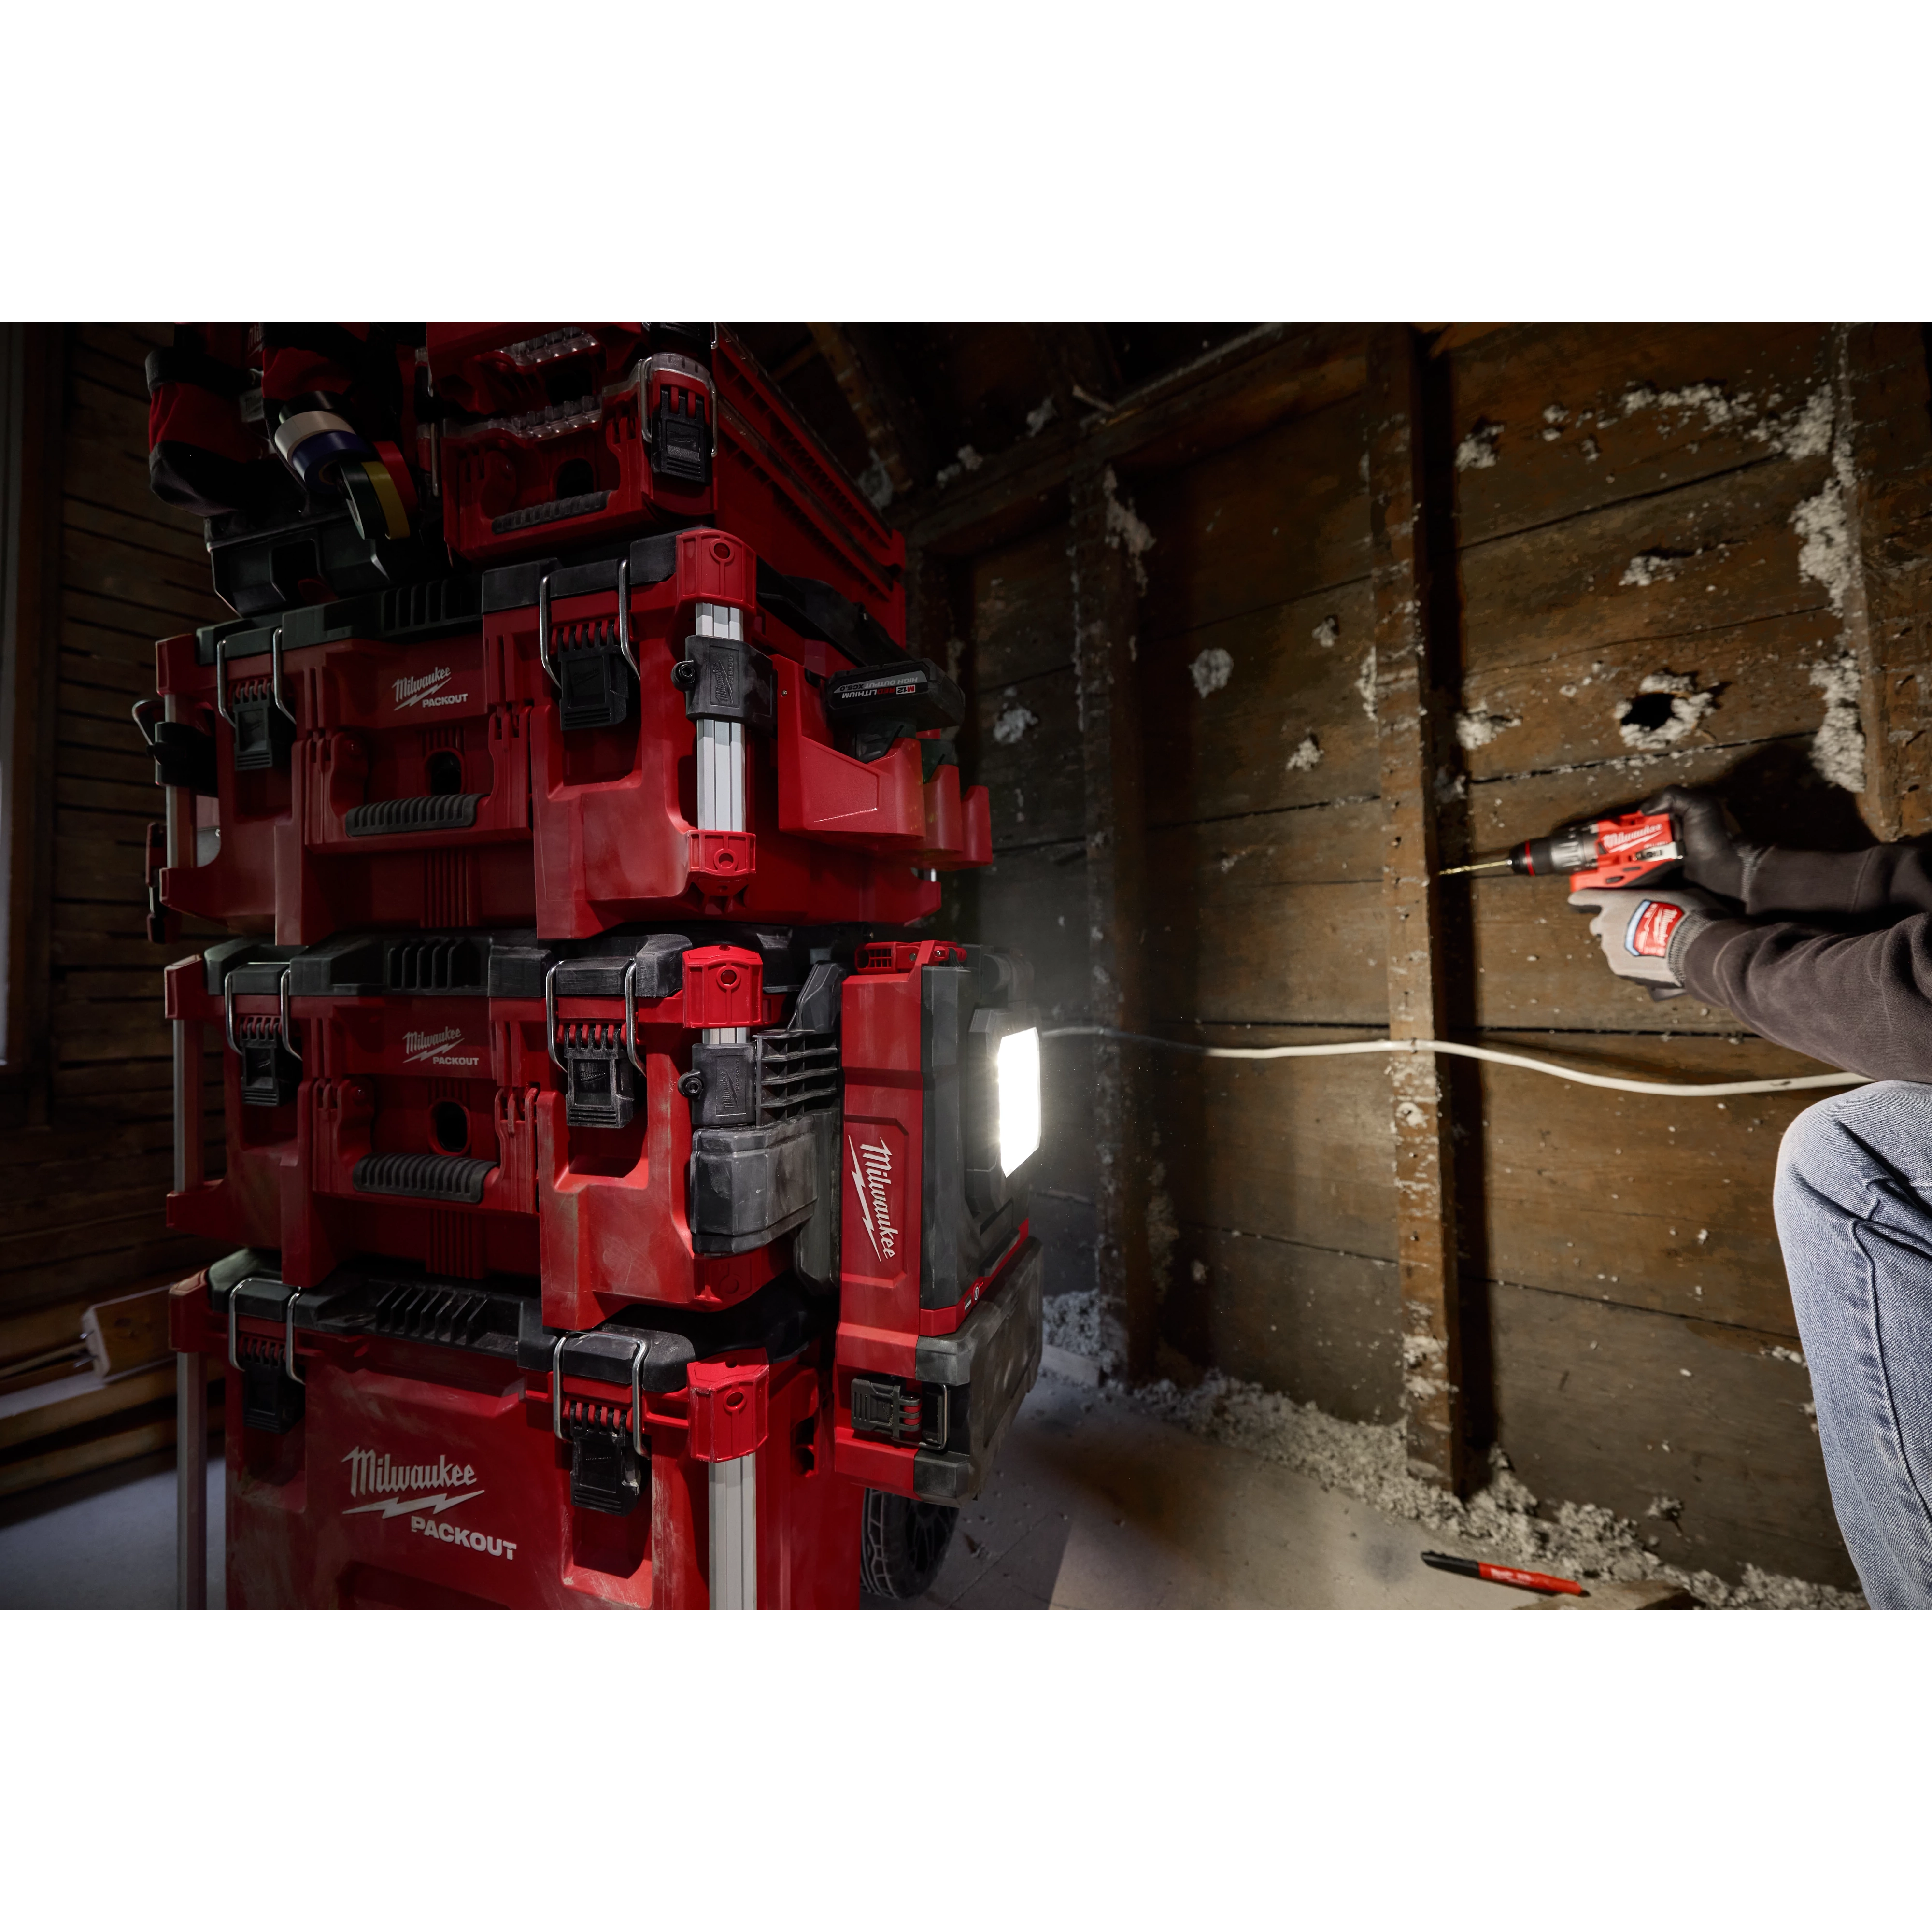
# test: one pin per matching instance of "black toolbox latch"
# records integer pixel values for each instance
(609, 1457)
(597, 1059)
(271, 1070)
(592, 661)
(257, 711)
(681, 435)
(272, 1398)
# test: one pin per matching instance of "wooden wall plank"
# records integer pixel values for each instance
(108, 566)
(178, 536)
(1258, 919)
(1566, 706)
(1637, 1411)
(1319, 1326)
(1297, 1150)
(1659, 569)
(1653, 1203)
(1036, 792)
(1277, 517)
(1022, 621)
(1639, 411)
(1244, 745)
(115, 478)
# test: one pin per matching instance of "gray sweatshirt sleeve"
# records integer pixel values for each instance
(1785, 883)
(1861, 1001)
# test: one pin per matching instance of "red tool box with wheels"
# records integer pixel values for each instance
(626, 1211)
(398, 1441)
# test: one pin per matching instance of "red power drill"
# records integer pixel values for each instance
(1598, 854)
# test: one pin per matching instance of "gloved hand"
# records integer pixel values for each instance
(1716, 855)
(1641, 931)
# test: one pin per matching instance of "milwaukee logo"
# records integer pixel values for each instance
(426, 693)
(435, 1048)
(374, 1472)
(1618, 841)
(871, 1177)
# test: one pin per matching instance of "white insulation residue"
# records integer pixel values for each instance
(874, 484)
(1211, 671)
(1038, 419)
(1328, 633)
(1305, 756)
(1478, 450)
(1125, 530)
(1825, 554)
(1479, 726)
(1838, 746)
(1657, 730)
(1368, 1460)
(1649, 567)
(1365, 684)
(1808, 433)
(1012, 724)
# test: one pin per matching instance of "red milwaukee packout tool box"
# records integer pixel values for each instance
(565, 435)
(395, 1098)
(939, 1330)
(398, 1441)
(527, 749)
(643, 1118)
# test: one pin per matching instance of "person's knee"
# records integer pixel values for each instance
(1836, 1147)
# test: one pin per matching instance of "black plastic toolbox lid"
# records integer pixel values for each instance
(409, 613)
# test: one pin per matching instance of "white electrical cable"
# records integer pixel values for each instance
(1716, 1090)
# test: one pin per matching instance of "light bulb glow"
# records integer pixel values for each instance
(1018, 1067)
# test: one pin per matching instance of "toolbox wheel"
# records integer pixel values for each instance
(905, 1542)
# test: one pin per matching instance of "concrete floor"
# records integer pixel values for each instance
(1093, 1506)
(104, 1541)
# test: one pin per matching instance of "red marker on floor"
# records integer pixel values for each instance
(1500, 1573)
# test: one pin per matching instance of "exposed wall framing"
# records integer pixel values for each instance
(1608, 508)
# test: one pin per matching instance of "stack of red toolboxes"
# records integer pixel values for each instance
(628, 1206)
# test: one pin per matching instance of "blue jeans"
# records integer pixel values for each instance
(1854, 1202)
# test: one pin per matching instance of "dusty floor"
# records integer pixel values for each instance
(1095, 1505)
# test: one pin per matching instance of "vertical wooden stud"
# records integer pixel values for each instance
(1881, 474)
(1408, 722)
(1105, 617)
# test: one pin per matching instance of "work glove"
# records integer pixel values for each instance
(1717, 857)
(1642, 932)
